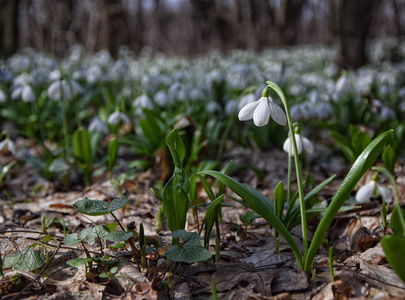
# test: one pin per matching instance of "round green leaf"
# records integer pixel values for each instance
(97, 207)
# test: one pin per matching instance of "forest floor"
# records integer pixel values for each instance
(248, 269)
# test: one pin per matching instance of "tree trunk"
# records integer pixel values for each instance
(355, 20)
(8, 27)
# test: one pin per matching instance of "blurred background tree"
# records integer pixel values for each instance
(191, 27)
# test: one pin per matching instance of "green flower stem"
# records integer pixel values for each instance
(131, 243)
(297, 168)
(217, 241)
(289, 200)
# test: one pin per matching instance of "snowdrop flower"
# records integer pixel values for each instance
(231, 107)
(246, 99)
(213, 107)
(96, 125)
(373, 188)
(387, 113)
(161, 98)
(94, 74)
(54, 75)
(9, 144)
(261, 111)
(25, 92)
(302, 142)
(141, 102)
(117, 117)
(64, 89)
(3, 96)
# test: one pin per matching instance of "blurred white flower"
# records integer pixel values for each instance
(387, 113)
(64, 89)
(373, 188)
(141, 102)
(26, 93)
(261, 110)
(161, 98)
(96, 125)
(117, 117)
(246, 99)
(9, 144)
(3, 96)
(94, 74)
(213, 107)
(54, 75)
(231, 107)
(302, 143)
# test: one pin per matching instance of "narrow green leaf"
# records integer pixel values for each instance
(394, 249)
(176, 147)
(207, 188)
(396, 223)
(211, 216)
(279, 199)
(344, 144)
(389, 159)
(82, 152)
(361, 165)
(262, 206)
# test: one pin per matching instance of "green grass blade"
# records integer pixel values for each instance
(262, 206)
(361, 165)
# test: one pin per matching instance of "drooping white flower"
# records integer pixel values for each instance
(64, 89)
(373, 188)
(9, 144)
(117, 117)
(161, 98)
(261, 110)
(3, 96)
(141, 102)
(302, 143)
(25, 92)
(96, 125)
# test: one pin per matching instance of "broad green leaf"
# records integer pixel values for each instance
(190, 250)
(98, 232)
(176, 147)
(396, 223)
(211, 216)
(29, 260)
(97, 207)
(72, 239)
(261, 205)
(361, 165)
(77, 262)
(112, 226)
(394, 249)
(279, 199)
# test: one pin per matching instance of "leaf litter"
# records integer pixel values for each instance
(248, 269)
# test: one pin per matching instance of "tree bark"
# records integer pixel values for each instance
(8, 27)
(355, 20)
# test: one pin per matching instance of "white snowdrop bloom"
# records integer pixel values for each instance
(297, 89)
(313, 96)
(9, 144)
(64, 89)
(373, 188)
(161, 98)
(3, 96)
(94, 74)
(143, 101)
(215, 76)
(196, 94)
(96, 125)
(25, 92)
(401, 93)
(213, 107)
(117, 117)
(22, 79)
(303, 111)
(323, 111)
(246, 99)
(387, 113)
(302, 143)
(231, 107)
(261, 111)
(54, 75)
(78, 75)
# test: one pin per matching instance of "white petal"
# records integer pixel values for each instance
(124, 118)
(298, 141)
(385, 193)
(286, 146)
(54, 91)
(307, 144)
(261, 115)
(246, 113)
(365, 192)
(16, 93)
(27, 94)
(67, 90)
(277, 114)
(114, 118)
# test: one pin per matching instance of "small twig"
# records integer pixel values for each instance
(38, 276)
